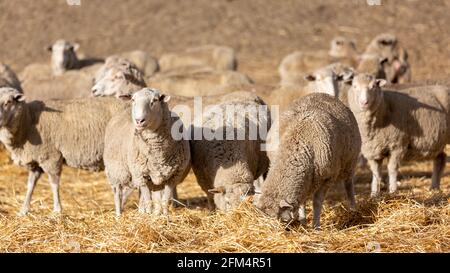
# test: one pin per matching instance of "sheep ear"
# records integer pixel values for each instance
(19, 97)
(126, 97)
(285, 204)
(310, 78)
(164, 98)
(217, 190)
(384, 61)
(380, 82)
(346, 76)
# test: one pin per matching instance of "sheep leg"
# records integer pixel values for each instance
(33, 177)
(211, 204)
(392, 167)
(318, 198)
(118, 199)
(145, 200)
(375, 167)
(54, 180)
(157, 202)
(438, 169)
(302, 214)
(126, 191)
(167, 194)
(350, 191)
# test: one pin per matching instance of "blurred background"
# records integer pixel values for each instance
(262, 31)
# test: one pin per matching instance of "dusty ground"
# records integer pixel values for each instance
(262, 32)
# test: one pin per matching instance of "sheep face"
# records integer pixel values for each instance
(282, 210)
(324, 81)
(365, 92)
(342, 47)
(11, 101)
(110, 83)
(147, 109)
(63, 56)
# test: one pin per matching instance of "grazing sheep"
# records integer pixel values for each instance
(319, 146)
(202, 83)
(42, 136)
(8, 78)
(408, 124)
(295, 66)
(224, 164)
(216, 57)
(118, 77)
(386, 46)
(145, 155)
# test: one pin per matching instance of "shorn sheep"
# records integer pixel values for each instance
(296, 65)
(213, 56)
(42, 136)
(145, 155)
(318, 147)
(409, 124)
(8, 78)
(224, 164)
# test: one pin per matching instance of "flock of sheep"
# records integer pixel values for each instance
(338, 108)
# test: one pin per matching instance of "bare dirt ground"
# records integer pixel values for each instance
(415, 220)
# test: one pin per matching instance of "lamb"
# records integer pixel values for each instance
(408, 124)
(319, 146)
(145, 155)
(44, 135)
(8, 78)
(295, 66)
(201, 83)
(226, 166)
(213, 56)
(386, 46)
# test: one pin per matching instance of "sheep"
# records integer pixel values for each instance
(143, 61)
(294, 66)
(118, 77)
(200, 83)
(407, 124)
(8, 78)
(319, 146)
(44, 135)
(213, 56)
(145, 155)
(327, 80)
(226, 166)
(386, 46)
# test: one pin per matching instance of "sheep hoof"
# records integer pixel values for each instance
(22, 213)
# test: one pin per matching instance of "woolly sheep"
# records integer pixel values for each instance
(118, 77)
(403, 125)
(145, 155)
(146, 63)
(201, 83)
(216, 57)
(8, 78)
(226, 168)
(319, 146)
(44, 135)
(386, 46)
(296, 65)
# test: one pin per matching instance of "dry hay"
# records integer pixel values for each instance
(415, 220)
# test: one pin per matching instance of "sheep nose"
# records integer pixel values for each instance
(140, 121)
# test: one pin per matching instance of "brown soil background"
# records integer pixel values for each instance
(262, 32)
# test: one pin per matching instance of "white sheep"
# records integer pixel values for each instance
(44, 135)
(319, 144)
(145, 155)
(408, 124)
(294, 67)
